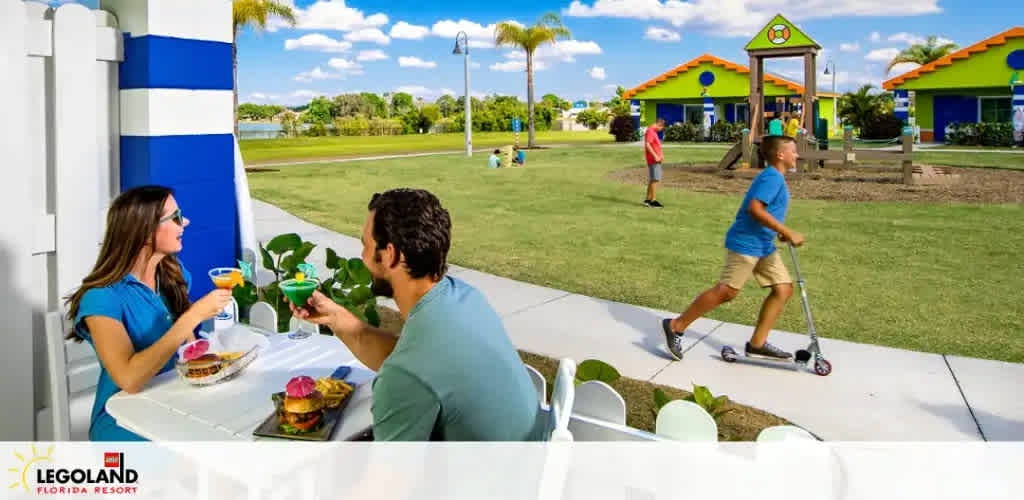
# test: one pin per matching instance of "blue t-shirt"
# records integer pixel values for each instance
(521, 157)
(145, 317)
(749, 237)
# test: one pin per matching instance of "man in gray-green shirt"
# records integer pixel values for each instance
(453, 374)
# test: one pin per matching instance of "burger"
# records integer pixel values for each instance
(303, 407)
(203, 366)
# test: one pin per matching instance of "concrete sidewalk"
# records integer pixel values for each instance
(873, 393)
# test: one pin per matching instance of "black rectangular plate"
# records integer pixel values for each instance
(271, 426)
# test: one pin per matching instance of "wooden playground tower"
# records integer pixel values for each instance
(779, 38)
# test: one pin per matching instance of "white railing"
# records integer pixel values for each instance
(60, 169)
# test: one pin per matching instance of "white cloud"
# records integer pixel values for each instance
(260, 96)
(597, 73)
(314, 74)
(317, 42)
(515, 65)
(611, 86)
(567, 50)
(345, 66)
(901, 68)
(371, 55)
(479, 36)
(329, 15)
(911, 39)
(368, 35)
(474, 65)
(430, 94)
(882, 55)
(405, 31)
(741, 17)
(661, 35)
(849, 47)
(306, 93)
(415, 62)
(875, 37)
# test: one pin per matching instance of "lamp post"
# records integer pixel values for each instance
(835, 100)
(462, 47)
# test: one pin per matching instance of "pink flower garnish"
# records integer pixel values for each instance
(300, 387)
(196, 349)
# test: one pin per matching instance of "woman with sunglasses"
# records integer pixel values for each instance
(134, 307)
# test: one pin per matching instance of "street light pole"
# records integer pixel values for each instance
(835, 100)
(463, 48)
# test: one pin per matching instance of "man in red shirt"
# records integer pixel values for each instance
(652, 146)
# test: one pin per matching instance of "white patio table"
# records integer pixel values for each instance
(169, 409)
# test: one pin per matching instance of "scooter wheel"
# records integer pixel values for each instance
(802, 356)
(822, 367)
(728, 354)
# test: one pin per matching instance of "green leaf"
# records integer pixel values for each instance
(357, 269)
(291, 263)
(720, 401)
(284, 243)
(268, 261)
(703, 396)
(360, 294)
(246, 295)
(593, 369)
(660, 398)
(333, 261)
(371, 314)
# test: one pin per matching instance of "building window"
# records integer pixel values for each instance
(742, 113)
(995, 109)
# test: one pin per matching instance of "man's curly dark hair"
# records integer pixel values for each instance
(414, 221)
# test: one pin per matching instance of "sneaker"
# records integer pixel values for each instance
(647, 203)
(768, 351)
(673, 340)
(657, 204)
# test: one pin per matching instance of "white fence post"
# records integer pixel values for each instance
(16, 391)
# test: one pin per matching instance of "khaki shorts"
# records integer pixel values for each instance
(769, 270)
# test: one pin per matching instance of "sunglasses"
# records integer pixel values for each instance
(175, 216)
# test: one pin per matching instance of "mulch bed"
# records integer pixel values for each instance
(742, 423)
(862, 183)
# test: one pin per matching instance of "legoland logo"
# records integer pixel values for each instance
(113, 478)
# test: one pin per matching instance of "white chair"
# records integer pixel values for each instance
(784, 433)
(563, 397)
(685, 421)
(74, 372)
(262, 315)
(598, 400)
(538, 383)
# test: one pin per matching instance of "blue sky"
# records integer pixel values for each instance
(405, 45)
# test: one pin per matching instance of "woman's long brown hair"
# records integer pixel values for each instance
(132, 222)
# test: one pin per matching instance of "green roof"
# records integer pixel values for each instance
(780, 34)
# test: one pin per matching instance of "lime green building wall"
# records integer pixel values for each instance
(980, 70)
(728, 83)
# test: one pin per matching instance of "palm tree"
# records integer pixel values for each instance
(923, 54)
(860, 107)
(548, 29)
(253, 13)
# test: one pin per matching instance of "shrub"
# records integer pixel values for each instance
(349, 285)
(622, 128)
(980, 134)
(882, 126)
(674, 133)
(723, 131)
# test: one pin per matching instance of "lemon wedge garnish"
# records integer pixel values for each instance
(300, 277)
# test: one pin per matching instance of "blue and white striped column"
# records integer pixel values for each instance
(1017, 112)
(177, 119)
(901, 105)
(709, 115)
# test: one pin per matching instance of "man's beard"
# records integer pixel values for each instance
(382, 288)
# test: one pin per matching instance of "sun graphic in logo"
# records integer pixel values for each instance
(778, 34)
(25, 465)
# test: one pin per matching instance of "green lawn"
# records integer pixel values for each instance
(259, 151)
(931, 277)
